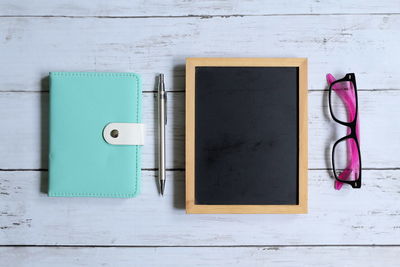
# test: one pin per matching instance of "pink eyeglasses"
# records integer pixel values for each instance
(346, 155)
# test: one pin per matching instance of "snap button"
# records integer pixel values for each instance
(114, 133)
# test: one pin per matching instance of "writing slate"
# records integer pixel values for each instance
(246, 136)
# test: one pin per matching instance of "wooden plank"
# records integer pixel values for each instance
(24, 118)
(25, 143)
(364, 44)
(356, 217)
(186, 8)
(201, 256)
(374, 132)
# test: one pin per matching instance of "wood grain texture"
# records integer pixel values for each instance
(25, 143)
(357, 217)
(24, 117)
(214, 256)
(190, 124)
(187, 8)
(358, 36)
(31, 47)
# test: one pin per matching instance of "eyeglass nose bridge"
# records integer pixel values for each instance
(352, 133)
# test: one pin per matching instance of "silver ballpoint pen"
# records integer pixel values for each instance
(162, 121)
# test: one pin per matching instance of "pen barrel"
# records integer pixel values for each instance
(161, 131)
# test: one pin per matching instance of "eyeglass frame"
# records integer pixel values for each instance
(349, 77)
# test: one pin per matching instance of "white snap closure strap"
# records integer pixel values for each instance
(124, 133)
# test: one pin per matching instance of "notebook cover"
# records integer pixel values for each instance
(81, 162)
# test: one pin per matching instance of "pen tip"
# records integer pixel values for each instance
(162, 187)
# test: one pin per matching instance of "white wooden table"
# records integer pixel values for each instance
(343, 228)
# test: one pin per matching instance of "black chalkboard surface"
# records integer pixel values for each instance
(246, 136)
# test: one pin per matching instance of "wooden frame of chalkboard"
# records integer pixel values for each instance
(300, 206)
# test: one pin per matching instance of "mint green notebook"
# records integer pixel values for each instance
(81, 160)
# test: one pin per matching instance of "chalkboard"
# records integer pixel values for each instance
(247, 150)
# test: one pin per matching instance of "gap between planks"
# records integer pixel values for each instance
(183, 91)
(205, 246)
(204, 16)
(45, 170)
(182, 169)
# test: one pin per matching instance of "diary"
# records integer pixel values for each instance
(96, 133)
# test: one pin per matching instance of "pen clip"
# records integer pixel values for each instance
(165, 107)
